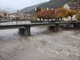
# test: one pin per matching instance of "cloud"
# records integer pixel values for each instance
(19, 4)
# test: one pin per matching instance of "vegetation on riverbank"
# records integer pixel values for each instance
(56, 14)
(78, 16)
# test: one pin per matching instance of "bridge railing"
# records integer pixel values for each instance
(36, 21)
(18, 22)
(40, 21)
(14, 22)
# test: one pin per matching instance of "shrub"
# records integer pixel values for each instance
(78, 16)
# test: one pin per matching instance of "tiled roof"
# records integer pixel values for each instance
(74, 5)
(78, 0)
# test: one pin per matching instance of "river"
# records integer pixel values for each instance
(41, 45)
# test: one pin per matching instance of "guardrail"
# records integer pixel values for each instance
(18, 22)
(14, 22)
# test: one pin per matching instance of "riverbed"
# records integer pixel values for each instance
(41, 45)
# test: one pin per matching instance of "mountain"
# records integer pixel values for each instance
(6, 9)
(30, 9)
(49, 4)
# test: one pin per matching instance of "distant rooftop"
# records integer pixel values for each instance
(75, 4)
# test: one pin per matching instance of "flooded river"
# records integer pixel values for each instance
(41, 45)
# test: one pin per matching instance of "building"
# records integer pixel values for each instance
(75, 4)
(18, 15)
(3, 15)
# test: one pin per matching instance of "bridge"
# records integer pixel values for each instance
(24, 26)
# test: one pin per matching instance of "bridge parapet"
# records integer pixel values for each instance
(14, 23)
(25, 25)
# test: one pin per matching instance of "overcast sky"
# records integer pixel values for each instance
(19, 4)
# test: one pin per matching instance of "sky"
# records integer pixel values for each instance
(19, 4)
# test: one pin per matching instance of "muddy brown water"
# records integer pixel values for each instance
(41, 45)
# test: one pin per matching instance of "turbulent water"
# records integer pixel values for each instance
(41, 45)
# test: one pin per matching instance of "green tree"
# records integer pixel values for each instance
(38, 9)
(0, 16)
(5, 14)
(78, 16)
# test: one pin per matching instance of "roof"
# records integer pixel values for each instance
(74, 5)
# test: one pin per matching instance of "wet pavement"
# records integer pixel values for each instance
(42, 45)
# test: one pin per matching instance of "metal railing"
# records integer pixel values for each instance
(21, 22)
(14, 22)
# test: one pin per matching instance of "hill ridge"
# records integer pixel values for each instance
(49, 4)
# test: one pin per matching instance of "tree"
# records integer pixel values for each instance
(5, 14)
(17, 18)
(39, 14)
(60, 13)
(38, 9)
(45, 14)
(78, 16)
(0, 16)
(34, 17)
(50, 14)
(71, 13)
